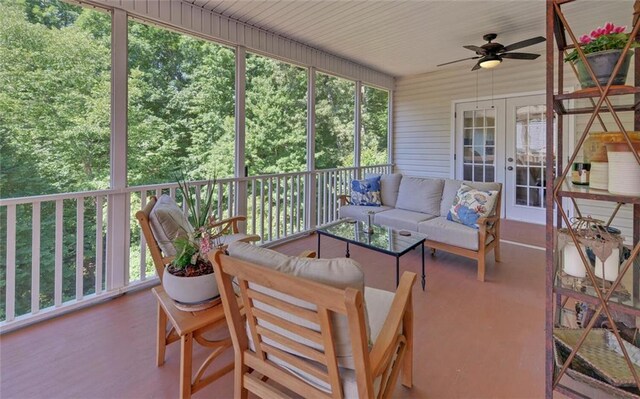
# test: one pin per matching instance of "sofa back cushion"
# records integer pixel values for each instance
(452, 186)
(340, 273)
(168, 222)
(420, 195)
(389, 186)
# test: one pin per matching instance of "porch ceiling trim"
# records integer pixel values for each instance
(192, 19)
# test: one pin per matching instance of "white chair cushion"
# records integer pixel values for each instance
(360, 212)
(447, 232)
(378, 303)
(168, 222)
(230, 238)
(401, 219)
(389, 186)
(340, 273)
(420, 195)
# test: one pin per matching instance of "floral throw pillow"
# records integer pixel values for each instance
(366, 192)
(471, 204)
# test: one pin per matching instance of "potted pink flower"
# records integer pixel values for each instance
(602, 48)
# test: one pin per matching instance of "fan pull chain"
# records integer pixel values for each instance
(477, 71)
(492, 89)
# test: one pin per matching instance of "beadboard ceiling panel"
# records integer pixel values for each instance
(405, 38)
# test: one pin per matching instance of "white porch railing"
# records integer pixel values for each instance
(56, 254)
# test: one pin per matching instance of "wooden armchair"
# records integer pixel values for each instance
(229, 225)
(310, 372)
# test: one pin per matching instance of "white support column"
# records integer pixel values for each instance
(117, 208)
(310, 181)
(357, 134)
(240, 111)
(390, 129)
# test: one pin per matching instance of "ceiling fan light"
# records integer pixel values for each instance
(490, 61)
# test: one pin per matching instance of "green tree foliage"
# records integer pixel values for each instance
(55, 86)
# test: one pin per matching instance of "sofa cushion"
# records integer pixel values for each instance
(366, 192)
(420, 195)
(447, 232)
(340, 273)
(401, 219)
(451, 188)
(389, 186)
(168, 222)
(360, 212)
(471, 204)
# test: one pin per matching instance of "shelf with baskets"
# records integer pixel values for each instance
(593, 272)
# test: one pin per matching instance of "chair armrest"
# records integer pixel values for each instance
(385, 344)
(483, 222)
(343, 199)
(229, 223)
(307, 254)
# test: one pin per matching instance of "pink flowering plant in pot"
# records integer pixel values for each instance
(602, 48)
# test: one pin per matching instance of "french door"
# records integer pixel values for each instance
(504, 140)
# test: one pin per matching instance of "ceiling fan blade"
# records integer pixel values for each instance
(520, 56)
(452, 62)
(524, 43)
(476, 67)
(476, 49)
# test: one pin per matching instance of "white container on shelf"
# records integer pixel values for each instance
(624, 170)
(599, 178)
(571, 261)
(610, 267)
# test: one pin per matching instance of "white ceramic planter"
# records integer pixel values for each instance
(190, 290)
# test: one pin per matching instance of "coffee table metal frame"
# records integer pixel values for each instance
(321, 231)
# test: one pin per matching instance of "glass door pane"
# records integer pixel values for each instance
(478, 140)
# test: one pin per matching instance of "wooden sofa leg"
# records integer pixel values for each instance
(481, 268)
(496, 251)
(433, 252)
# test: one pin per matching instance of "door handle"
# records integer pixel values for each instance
(510, 159)
(510, 168)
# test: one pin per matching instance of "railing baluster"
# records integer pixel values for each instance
(57, 285)
(35, 257)
(99, 245)
(297, 220)
(10, 298)
(143, 242)
(262, 210)
(270, 208)
(253, 206)
(197, 194)
(278, 207)
(318, 199)
(230, 200)
(79, 248)
(219, 210)
(285, 199)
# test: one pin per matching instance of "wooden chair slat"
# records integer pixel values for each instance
(297, 311)
(330, 352)
(291, 344)
(284, 378)
(297, 329)
(295, 361)
(262, 389)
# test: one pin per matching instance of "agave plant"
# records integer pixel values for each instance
(191, 250)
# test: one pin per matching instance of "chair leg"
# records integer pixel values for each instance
(407, 362)
(481, 267)
(239, 391)
(161, 339)
(496, 251)
(186, 351)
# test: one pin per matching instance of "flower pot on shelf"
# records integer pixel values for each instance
(602, 63)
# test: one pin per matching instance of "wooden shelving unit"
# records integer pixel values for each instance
(564, 371)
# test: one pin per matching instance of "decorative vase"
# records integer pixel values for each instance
(602, 63)
(190, 290)
(624, 170)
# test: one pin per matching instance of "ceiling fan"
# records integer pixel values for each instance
(491, 54)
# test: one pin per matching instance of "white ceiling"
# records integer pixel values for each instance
(410, 37)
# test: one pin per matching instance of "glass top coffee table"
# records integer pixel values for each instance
(383, 239)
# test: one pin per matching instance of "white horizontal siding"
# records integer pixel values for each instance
(423, 115)
(193, 19)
